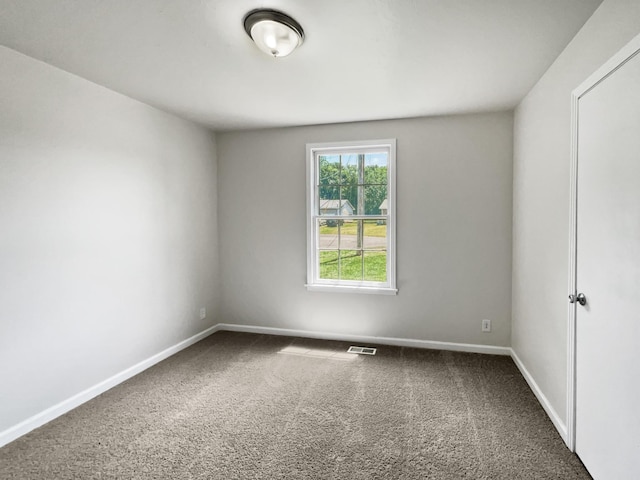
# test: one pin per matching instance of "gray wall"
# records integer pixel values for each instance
(108, 245)
(541, 198)
(454, 231)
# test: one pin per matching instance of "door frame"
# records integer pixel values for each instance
(628, 52)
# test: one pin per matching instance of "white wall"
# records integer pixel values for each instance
(108, 240)
(541, 198)
(454, 231)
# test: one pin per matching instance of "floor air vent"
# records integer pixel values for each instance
(362, 350)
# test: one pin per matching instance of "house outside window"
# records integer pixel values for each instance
(351, 217)
(336, 207)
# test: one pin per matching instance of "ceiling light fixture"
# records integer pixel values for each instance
(274, 32)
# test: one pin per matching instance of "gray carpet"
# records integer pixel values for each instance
(244, 406)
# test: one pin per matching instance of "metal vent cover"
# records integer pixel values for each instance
(362, 350)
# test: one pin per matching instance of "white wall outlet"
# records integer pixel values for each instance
(203, 313)
(486, 325)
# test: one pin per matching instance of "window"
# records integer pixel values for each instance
(351, 217)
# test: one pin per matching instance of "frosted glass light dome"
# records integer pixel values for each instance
(274, 32)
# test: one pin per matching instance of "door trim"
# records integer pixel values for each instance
(614, 63)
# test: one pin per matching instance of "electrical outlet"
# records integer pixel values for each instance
(486, 325)
(203, 313)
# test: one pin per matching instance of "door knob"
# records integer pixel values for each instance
(580, 298)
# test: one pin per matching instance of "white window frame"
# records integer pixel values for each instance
(314, 283)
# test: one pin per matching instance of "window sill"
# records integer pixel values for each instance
(352, 289)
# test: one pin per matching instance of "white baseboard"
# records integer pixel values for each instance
(400, 342)
(553, 415)
(63, 407)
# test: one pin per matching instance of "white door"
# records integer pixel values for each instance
(607, 412)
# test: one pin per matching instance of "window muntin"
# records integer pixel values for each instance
(351, 216)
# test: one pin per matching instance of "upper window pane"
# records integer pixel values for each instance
(375, 199)
(329, 169)
(376, 168)
(351, 199)
(358, 180)
(349, 169)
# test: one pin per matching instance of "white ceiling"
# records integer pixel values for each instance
(361, 60)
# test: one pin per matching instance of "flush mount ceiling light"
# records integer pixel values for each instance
(274, 32)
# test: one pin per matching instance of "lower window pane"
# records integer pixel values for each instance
(375, 266)
(328, 233)
(350, 265)
(328, 264)
(375, 235)
(349, 234)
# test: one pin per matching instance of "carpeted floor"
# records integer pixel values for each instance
(244, 406)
